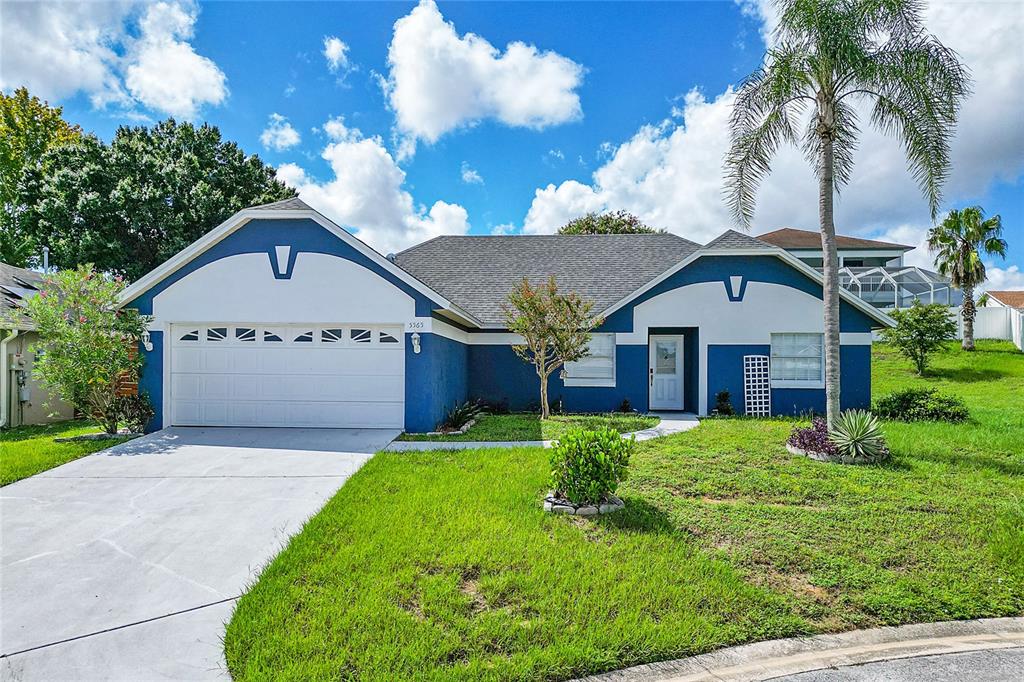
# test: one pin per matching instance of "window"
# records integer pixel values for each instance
(361, 336)
(270, 337)
(387, 338)
(598, 367)
(332, 335)
(190, 336)
(304, 337)
(216, 333)
(245, 334)
(798, 360)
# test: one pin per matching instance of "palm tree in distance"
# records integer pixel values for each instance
(829, 56)
(960, 241)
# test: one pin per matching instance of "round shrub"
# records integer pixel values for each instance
(813, 438)
(588, 465)
(921, 404)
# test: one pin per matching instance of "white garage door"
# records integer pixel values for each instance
(330, 376)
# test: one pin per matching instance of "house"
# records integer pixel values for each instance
(23, 399)
(1005, 299)
(873, 270)
(280, 317)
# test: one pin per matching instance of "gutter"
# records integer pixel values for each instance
(5, 397)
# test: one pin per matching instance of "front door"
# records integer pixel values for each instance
(666, 372)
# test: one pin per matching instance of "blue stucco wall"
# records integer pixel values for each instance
(725, 372)
(436, 380)
(497, 374)
(151, 379)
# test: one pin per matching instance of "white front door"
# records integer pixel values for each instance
(328, 376)
(666, 372)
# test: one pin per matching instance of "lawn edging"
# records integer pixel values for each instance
(795, 655)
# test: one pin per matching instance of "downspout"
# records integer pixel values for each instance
(5, 397)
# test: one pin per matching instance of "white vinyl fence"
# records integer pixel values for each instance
(994, 323)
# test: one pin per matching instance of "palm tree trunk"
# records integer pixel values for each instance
(830, 261)
(968, 313)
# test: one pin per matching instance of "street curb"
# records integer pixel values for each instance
(781, 657)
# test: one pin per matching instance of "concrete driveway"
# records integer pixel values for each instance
(126, 564)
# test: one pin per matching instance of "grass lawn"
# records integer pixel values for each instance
(27, 450)
(442, 566)
(524, 426)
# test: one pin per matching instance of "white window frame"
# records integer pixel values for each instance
(598, 367)
(795, 383)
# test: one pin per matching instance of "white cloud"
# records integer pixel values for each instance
(554, 155)
(439, 81)
(336, 54)
(1003, 279)
(367, 195)
(503, 229)
(279, 134)
(470, 176)
(670, 174)
(118, 53)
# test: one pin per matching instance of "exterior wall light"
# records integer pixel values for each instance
(415, 338)
(147, 343)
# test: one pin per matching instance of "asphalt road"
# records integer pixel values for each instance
(994, 665)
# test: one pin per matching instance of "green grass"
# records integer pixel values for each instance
(28, 450)
(525, 427)
(442, 566)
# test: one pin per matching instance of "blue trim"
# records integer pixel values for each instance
(736, 297)
(262, 236)
(768, 269)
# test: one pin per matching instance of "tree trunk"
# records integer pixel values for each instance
(968, 313)
(545, 409)
(830, 289)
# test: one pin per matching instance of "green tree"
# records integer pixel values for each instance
(612, 222)
(920, 331)
(960, 241)
(828, 56)
(555, 328)
(129, 206)
(89, 343)
(28, 128)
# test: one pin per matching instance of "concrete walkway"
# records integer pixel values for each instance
(978, 650)
(671, 422)
(126, 564)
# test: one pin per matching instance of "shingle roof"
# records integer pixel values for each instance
(293, 204)
(1013, 299)
(791, 238)
(16, 285)
(731, 239)
(477, 273)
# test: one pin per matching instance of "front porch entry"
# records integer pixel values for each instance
(666, 372)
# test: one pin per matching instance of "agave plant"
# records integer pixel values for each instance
(858, 436)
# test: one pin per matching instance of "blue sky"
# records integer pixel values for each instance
(595, 106)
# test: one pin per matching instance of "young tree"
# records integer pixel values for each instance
(128, 206)
(28, 128)
(920, 331)
(555, 328)
(961, 240)
(612, 222)
(88, 345)
(828, 56)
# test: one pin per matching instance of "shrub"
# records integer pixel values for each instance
(921, 404)
(920, 331)
(460, 415)
(588, 465)
(723, 403)
(134, 411)
(814, 437)
(857, 435)
(625, 406)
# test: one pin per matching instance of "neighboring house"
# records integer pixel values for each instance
(1005, 299)
(871, 269)
(279, 317)
(23, 400)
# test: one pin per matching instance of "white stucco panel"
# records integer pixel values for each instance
(242, 288)
(765, 308)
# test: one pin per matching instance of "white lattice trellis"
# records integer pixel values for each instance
(757, 386)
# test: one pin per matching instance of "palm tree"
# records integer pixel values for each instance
(961, 240)
(828, 57)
